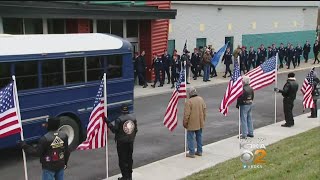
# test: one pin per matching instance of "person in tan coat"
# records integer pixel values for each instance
(193, 121)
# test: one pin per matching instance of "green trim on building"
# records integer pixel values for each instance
(267, 39)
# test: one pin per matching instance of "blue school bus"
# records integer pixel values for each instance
(59, 75)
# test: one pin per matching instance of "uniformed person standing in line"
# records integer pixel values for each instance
(316, 49)
(281, 54)
(274, 50)
(166, 64)
(306, 51)
(53, 151)
(251, 58)
(227, 58)
(195, 63)
(264, 52)
(286, 53)
(175, 69)
(269, 52)
(243, 60)
(157, 66)
(260, 57)
(291, 57)
(125, 130)
(185, 60)
(298, 53)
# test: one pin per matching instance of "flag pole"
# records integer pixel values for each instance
(16, 102)
(275, 93)
(106, 115)
(239, 127)
(185, 100)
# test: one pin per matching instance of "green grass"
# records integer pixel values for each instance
(297, 157)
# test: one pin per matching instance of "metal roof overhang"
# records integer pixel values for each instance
(45, 9)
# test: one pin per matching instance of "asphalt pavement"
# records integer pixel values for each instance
(154, 141)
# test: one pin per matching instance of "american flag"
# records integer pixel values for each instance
(9, 122)
(234, 89)
(96, 130)
(263, 75)
(171, 118)
(307, 88)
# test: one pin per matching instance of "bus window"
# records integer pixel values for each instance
(114, 64)
(95, 68)
(74, 70)
(27, 75)
(5, 75)
(52, 72)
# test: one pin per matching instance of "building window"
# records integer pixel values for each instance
(56, 26)
(201, 42)
(33, 26)
(117, 27)
(5, 74)
(114, 66)
(74, 70)
(52, 72)
(171, 46)
(95, 68)
(12, 25)
(103, 26)
(27, 75)
(132, 28)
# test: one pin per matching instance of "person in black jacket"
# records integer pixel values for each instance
(53, 151)
(260, 57)
(298, 53)
(315, 95)
(243, 60)
(251, 59)
(244, 102)
(175, 69)
(316, 52)
(157, 66)
(269, 52)
(274, 50)
(125, 130)
(134, 62)
(281, 54)
(264, 52)
(141, 69)
(185, 60)
(291, 57)
(289, 93)
(286, 53)
(306, 51)
(227, 58)
(195, 63)
(166, 64)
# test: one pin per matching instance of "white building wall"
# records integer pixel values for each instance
(242, 19)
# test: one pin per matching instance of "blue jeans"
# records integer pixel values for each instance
(246, 120)
(206, 71)
(190, 135)
(52, 175)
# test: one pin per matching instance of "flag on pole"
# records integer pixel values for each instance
(307, 88)
(263, 75)
(234, 89)
(9, 121)
(218, 57)
(171, 118)
(97, 128)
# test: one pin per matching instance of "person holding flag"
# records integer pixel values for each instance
(125, 130)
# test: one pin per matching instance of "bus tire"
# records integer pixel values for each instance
(71, 128)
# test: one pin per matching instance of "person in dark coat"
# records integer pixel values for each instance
(306, 51)
(289, 93)
(264, 52)
(185, 60)
(227, 58)
(141, 69)
(316, 51)
(286, 53)
(166, 64)
(281, 54)
(315, 95)
(251, 58)
(157, 66)
(291, 57)
(274, 50)
(134, 62)
(243, 60)
(52, 149)
(269, 52)
(195, 63)
(260, 57)
(125, 130)
(175, 69)
(298, 53)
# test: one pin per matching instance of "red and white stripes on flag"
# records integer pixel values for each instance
(9, 122)
(306, 89)
(263, 75)
(171, 117)
(97, 128)
(234, 89)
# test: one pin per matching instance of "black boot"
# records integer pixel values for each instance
(153, 85)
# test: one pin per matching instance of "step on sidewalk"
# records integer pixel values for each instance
(178, 166)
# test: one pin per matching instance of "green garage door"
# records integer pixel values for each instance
(171, 46)
(201, 42)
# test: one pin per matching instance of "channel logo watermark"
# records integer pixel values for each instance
(253, 154)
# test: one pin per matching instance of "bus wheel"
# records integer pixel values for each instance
(71, 128)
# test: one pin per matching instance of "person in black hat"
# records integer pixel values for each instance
(289, 93)
(125, 130)
(53, 151)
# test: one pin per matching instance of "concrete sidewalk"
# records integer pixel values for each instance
(140, 92)
(178, 166)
